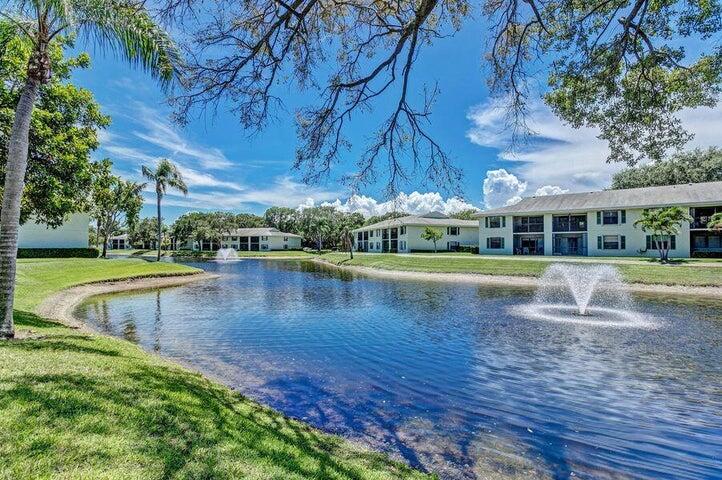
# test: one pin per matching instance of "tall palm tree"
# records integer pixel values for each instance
(165, 175)
(123, 26)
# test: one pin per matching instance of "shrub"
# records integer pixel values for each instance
(58, 253)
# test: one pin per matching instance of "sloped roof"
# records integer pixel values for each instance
(262, 232)
(432, 219)
(647, 197)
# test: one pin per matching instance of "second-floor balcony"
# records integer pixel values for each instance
(533, 224)
(702, 216)
(569, 223)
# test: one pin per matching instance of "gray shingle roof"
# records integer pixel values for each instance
(648, 197)
(262, 232)
(432, 219)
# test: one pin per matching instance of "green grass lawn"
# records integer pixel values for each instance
(648, 273)
(75, 405)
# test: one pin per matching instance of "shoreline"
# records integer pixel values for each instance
(61, 306)
(512, 280)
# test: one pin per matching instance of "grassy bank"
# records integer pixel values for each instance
(76, 405)
(645, 273)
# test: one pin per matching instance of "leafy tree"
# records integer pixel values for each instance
(166, 175)
(282, 218)
(116, 203)
(469, 214)
(185, 227)
(662, 223)
(124, 26)
(63, 132)
(248, 220)
(316, 224)
(346, 223)
(618, 65)
(145, 232)
(386, 216)
(218, 224)
(715, 222)
(431, 234)
(695, 166)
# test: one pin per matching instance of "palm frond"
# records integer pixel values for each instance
(126, 28)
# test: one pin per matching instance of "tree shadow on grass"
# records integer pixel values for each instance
(182, 425)
(30, 320)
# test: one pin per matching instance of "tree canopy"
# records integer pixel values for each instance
(618, 65)
(662, 223)
(63, 134)
(694, 166)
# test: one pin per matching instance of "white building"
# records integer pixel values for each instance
(403, 234)
(601, 223)
(119, 242)
(71, 234)
(258, 239)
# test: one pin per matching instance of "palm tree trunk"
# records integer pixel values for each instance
(17, 162)
(159, 226)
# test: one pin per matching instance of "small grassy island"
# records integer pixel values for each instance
(81, 405)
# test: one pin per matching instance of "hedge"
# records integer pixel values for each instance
(58, 253)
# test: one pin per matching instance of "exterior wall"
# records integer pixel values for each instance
(272, 242)
(505, 232)
(468, 236)
(635, 238)
(71, 234)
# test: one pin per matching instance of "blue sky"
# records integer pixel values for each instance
(226, 168)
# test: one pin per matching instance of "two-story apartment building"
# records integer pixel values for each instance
(601, 223)
(258, 239)
(403, 234)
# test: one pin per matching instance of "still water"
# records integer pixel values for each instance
(444, 375)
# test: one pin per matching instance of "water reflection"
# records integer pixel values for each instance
(440, 375)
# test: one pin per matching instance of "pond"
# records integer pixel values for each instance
(444, 375)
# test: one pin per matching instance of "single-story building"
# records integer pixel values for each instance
(73, 233)
(602, 223)
(256, 239)
(403, 234)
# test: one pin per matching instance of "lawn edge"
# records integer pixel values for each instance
(522, 281)
(61, 305)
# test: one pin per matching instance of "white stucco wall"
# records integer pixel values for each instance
(468, 236)
(273, 242)
(72, 234)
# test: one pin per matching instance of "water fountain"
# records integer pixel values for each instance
(226, 255)
(586, 295)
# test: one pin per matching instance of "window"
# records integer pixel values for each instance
(402, 245)
(669, 243)
(495, 243)
(264, 239)
(285, 247)
(528, 224)
(610, 217)
(612, 242)
(264, 247)
(452, 246)
(378, 245)
(495, 222)
(402, 231)
(452, 231)
(234, 239)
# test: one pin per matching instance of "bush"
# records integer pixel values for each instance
(58, 253)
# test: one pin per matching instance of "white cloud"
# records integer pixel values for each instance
(414, 203)
(160, 133)
(558, 154)
(550, 190)
(502, 188)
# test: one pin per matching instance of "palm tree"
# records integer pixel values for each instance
(165, 175)
(123, 26)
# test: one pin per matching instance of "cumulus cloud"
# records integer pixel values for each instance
(550, 190)
(561, 155)
(502, 188)
(414, 203)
